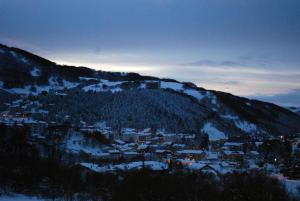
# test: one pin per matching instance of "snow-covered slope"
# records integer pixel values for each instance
(132, 100)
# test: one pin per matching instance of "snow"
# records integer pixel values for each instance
(87, 78)
(117, 89)
(47, 88)
(171, 85)
(21, 58)
(229, 116)
(143, 86)
(214, 100)
(190, 151)
(131, 153)
(194, 93)
(19, 197)
(25, 90)
(245, 126)
(222, 168)
(226, 152)
(213, 133)
(237, 144)
(111, 83)
(94, 88)
(53, 81)
(35, 72)
(291, 186)
(70, 85)
(212, 155)
(129, 131)
(23, 120)
(75, 145)
(13, 53)
(111, 86)
(53, 85)
(254, 153)
(154, 165)
(142, 146)
(179, 87)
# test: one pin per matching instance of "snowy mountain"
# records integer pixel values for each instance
(132, 100)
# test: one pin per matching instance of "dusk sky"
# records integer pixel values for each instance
(245, 47)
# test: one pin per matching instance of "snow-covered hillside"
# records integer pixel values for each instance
(133, 100)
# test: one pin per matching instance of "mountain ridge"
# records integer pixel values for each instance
(127, 95)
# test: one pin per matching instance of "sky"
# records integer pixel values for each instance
(246, 47)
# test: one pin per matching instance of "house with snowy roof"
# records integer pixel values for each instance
(160, 154)
(232, 155)
(114, 153)
(233, 146)
(130, 154)
(194, 154)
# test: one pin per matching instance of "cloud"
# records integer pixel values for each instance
(249, 59)
(256, 59)
(231, 82)
(291, 98)
(213, 63)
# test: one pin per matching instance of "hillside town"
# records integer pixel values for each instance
(100, 148)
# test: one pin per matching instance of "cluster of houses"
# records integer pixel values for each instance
(129, 144)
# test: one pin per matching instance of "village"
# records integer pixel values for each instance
(100, 148)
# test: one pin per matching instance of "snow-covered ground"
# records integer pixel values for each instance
(35, 72)
(53, 85)
(194, 93)
(179, 87)
(243, 125)
(154, 165)
(18, 197)
(171, 85)
(213, 133)
(75, 144)
(104, 85)
(292, 186)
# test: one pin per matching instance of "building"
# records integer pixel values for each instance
(190, 154)
(161, 154)
(233, 146)
(233, 155)
(170, 137)
(129, 135)
(131, 154)
(38, 128)
(143, 137)
(114, 154)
